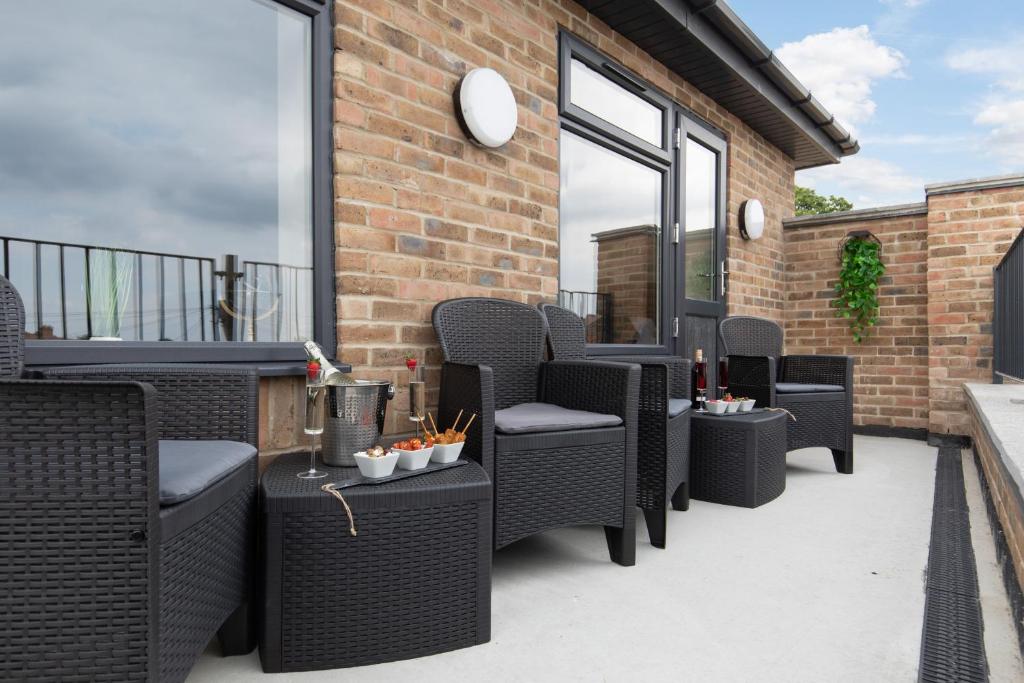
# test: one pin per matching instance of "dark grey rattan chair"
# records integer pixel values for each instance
(663, 440)
(12, 331)
(566, 475)
(102, 582)
(817, 390)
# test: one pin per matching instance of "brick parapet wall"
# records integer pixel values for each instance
(935, 328)
(421, 215)
(968, 233)
(891, 370)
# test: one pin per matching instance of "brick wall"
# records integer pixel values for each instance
(891, 371)
(968, 233)
(935, 328)
(421, 215)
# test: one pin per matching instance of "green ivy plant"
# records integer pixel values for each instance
(857, 289)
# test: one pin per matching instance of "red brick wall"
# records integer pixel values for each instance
(421, 215)
(935, 328)
(891, 371)
(968, 233)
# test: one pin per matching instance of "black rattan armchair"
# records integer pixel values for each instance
(12, 331)
(557, 439)
(663, 441)
(817, 390)
(128, 498)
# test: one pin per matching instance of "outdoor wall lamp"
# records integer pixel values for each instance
(751, 219)
(485, 108)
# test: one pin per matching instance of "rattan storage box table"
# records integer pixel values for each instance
(415, 581)
(739, 458)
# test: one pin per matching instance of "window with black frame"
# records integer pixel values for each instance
(614, 180)
(158, 170)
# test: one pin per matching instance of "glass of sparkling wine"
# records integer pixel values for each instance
(316, 390)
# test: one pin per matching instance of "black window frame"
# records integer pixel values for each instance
(670, 158)
(73, 352)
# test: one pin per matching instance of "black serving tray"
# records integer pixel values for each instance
(360, 480)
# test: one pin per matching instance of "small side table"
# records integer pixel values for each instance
(415, 581)
(738, 459)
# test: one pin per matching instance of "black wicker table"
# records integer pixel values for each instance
(738, 459)
(415, 581)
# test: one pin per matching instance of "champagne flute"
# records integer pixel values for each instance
(702, 384)
(723, 377)
(316, 390)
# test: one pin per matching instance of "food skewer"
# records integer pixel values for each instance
(471, 418)
(457, 418)
(432, 423)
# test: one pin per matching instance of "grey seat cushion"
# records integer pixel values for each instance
(530, 418)
(187, 468)
(678, 406)
(797, 388)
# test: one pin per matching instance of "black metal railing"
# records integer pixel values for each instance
(81, 291)
(596, 310)
(1008, 319)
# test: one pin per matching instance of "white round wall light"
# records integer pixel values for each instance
(486, 108)
(751, 219)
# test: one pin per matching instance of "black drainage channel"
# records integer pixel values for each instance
(952, 644)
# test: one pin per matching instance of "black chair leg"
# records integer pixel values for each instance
(622, 542)
(843, 460)
(681, 498)
(237, 634)
(656, 526)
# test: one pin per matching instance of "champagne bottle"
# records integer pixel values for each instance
(332, 375)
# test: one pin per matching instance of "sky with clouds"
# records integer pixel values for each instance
(932, 89)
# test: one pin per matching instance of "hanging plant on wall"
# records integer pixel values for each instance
(861, 268)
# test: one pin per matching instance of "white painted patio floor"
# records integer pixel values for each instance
(826, 583)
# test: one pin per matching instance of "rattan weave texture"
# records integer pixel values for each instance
(202, 575)
(739, 459)
(415, 580)
(12, 331)
(754, 347)
(79, 533)
(494, 357)
(663, 443)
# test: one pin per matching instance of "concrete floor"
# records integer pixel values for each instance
(823, 584)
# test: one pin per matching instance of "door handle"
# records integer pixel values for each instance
(725, 274)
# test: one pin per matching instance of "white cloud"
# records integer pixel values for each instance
(840, 67)
(865, 181)
(1001, 113)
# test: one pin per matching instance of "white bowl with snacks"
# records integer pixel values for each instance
(732, 406)
(746, 405)
(447, 452)
(716, 407)
(413, 460)
(376, 466)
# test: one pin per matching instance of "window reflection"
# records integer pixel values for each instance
(605, 99)
(609, 242)
(155, 170)
(701, 191)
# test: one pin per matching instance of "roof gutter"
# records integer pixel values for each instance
(722, 17)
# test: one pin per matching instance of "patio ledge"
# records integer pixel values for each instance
(881, 212)
(975, 184)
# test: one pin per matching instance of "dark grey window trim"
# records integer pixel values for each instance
(669, 160)
(67, 352)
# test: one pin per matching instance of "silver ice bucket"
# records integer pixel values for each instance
(355, 418)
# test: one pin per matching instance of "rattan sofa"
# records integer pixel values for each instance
(663, 441)
(817, 390)
(553, 467)
(100, 581)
